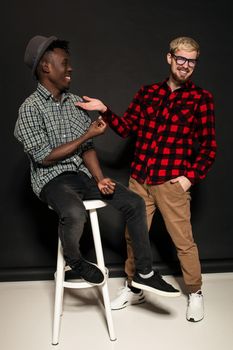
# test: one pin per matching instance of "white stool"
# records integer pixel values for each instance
(91, 206)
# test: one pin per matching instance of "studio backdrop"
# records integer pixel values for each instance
(116, 46)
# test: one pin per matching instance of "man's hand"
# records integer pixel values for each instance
(91, 104)
(184, 182)
(96, 128)
(106, 186)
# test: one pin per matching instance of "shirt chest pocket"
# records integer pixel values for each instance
(56, 130)
(182, 114)
(150, 109)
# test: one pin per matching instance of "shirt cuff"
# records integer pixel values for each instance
(40, 154)
(107, 114)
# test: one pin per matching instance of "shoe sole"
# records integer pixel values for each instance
(94, 284)
(128, 304)
(156, 291)
(193, 320)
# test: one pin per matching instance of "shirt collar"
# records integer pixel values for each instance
(47, 94)
(187, 85)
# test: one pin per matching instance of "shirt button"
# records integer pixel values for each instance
(64, 135)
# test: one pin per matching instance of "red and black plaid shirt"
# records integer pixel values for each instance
(168, 126)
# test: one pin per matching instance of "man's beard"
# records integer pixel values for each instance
(180, 80)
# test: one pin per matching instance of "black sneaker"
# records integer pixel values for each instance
(155, 284)
(89, 272)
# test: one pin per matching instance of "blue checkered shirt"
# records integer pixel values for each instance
(44, 124)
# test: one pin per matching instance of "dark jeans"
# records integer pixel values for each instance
(65, 194)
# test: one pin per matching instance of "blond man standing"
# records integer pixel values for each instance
(168, 119)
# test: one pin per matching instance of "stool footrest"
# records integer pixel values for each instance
(80, 283)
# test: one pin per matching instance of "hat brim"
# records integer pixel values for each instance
(41, 51)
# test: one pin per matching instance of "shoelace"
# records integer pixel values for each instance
(83, 266)
(89, 268)
(157, 273)
(120, 289)
(193, 296)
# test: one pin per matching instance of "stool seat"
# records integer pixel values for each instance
(94, 204)
(60, 282)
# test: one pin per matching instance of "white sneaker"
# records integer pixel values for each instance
(195, 310)
(127, 297)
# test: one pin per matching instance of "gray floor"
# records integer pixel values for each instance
(26, 319)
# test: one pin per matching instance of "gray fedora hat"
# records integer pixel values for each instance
(35, 50)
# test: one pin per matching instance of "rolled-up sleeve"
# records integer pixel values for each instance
(30, 131)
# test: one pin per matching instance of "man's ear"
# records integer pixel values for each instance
(169, 58)
(45, 66)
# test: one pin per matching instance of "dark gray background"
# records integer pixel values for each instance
(117, 46)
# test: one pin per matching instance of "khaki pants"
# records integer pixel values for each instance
(174, 205)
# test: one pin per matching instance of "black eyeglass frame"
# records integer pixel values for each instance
(193, 61)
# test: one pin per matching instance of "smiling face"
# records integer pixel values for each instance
(56, 71)
(182, 64)
(60, 69)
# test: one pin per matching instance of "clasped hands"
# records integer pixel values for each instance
(106, 186)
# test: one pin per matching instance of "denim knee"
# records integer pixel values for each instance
(137, 203)
(73, 215)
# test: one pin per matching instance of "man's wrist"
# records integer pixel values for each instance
(98, 178)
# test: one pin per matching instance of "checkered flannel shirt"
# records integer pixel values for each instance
(167, 126)
(44, 124)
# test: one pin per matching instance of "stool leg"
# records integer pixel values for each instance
(101, 264)
(63, 279)
(60, 275)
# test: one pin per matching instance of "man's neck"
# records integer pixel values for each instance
(173, 84)
(55, 92)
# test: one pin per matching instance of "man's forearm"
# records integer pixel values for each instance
(92, 163)
(63, 151)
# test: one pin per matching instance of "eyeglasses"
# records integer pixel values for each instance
(180, 60)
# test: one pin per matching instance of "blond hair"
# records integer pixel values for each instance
(184, 43)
